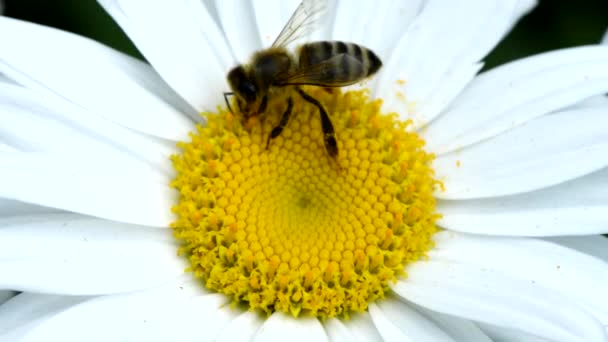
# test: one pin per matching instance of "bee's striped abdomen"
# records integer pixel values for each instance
(358, 62)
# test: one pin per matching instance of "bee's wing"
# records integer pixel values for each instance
(302, 21)
(338, 71)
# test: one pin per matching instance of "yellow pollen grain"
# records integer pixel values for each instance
(290, 229)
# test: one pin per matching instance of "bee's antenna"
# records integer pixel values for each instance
(226, 94)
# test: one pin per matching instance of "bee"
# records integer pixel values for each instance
(323, 63)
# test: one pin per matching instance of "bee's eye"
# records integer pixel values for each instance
(241, 84)
(247, 89)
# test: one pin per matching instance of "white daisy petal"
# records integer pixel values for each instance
(238, 22)
(7, 148)
(499, 334)
(516, 283)
(24, 110)
(6, 295)
(605, 39)
(26, 308)
(573, 274)
(200, 318)
(4, 79)
(241, 328)
(146, 202)
(69, 254)
(595, 245)
(362, 327)
(207, 19)
(513, 94)
(108, 318)
(593, 101)
(396, 17)
(519, 161)
(420, 69)
(576, 207)
(396, 321)
(88, 74)
(350, 12)
(325, 28)
(459, 329)
(475, 293)
(280, 325)
(88, 165)
(270, 15)
(16, 208)
(337, 331)
(173, 40)
(28, 129)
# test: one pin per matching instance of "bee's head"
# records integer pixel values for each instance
(243, 87)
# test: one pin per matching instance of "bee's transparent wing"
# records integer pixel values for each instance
(303, 21)
(338, 71)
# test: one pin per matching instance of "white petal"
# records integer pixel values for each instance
(34, 121)
(178, 46)
(6, 80)
(326, 25)
(396, 17)
(593, 101)
(27, 129)
(525, 158)
(89, 75)
(7, 148)
(16, 208)
(106, 318)
(459, 329)
(87, 165)
(242, 328)
(514, 93)
(439, 55)
(26, 308)
(573, 274)
(6, 295)
(69, 254)
(195, 319)
(362, 327)
(270, 18)
(279, 326)
(126, 197)
(499, 334)
(595, 245)
(396, 321)
(337, 331)
(576, 207)
(238, 22)
(515, 283)
(207, 20)
(605, 39)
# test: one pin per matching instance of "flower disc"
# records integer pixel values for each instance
(288, 228)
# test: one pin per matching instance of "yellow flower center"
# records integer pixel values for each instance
(290, 229)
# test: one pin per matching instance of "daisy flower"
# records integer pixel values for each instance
(463, 206)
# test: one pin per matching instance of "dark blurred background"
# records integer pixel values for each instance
(553, 24)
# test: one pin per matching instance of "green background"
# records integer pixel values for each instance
(553, 24)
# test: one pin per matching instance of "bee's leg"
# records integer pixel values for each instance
(261, 110)
(226, 94)
(263, 105)
(329, 134)
(276, 131)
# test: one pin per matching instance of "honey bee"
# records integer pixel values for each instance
(323, 63)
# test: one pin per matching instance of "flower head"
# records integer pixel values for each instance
(287, 228)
